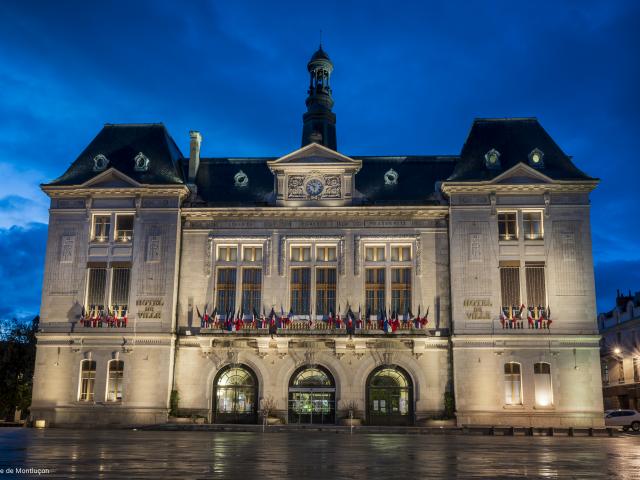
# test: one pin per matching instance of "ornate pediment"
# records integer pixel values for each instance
(110, 178)
(317, 155)
(521, 174)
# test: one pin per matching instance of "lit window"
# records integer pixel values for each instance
(326, 254)
(400, 254)
(510, 288)
(120, 287)
(605, 373)
(620, 371)
(325, 291)
(300, 254)
(87, 380)
(97, 288)
(542, 384)
(251, 290)
(115, 381)
(374, 254)
(227, 254)
(636, 369)
(532, 225)
(226, 291)
(124, 228)
(101, 228)
(252, 254)
(512, 384)
(507, 226)
(400, 290)
(300, 291)
(374, 289)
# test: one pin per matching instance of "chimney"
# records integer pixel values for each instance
(194, 155)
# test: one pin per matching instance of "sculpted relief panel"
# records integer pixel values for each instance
(314, 185)
(569, 262)
(474, 247)
(64, 274)
(153, 272)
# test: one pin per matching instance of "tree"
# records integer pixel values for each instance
(17, 362)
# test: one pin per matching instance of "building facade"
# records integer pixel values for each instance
(620, 353)
(318, 285)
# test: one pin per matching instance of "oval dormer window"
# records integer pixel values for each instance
(141, 163)
(492, 159)
(391, 177)
(241, 179)
(536, 158)
(100, 163)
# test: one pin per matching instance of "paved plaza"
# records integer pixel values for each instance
(59, 453)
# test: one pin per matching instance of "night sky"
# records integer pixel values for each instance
(409, 79)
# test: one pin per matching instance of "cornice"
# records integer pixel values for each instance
(75, 191)
(449, 188)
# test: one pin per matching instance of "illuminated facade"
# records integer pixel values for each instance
(441, 269)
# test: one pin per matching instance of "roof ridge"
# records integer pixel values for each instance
(502, 119)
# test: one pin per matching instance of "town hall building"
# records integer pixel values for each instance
(317, 285)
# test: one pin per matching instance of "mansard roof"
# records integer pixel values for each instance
(120, 144)
(514, 139)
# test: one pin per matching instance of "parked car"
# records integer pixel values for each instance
(627, 419)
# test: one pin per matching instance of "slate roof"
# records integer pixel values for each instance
(514, 138)
(120, 144)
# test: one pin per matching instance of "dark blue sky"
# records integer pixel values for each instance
(409, 79)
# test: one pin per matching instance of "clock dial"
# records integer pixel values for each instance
(314, 187)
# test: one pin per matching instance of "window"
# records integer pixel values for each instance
(101, 228)
(326, 254)
(542, 384)
(124, 228)
(226, 285)
(300, 290)
(300, 254)
(251, 290)
(534, 276)
(115, 381)
(605, 373)
(512, 384)
(227, 254)
(374, 254)
(97, 287)
(400, 254)
(507, 226)
(510, 285)
(620, 371)
(400, 290)
(636, 369)
(87, 380)
(374, 290)
(325, 290)
(252, 254)
(532, 224)
(120, 287)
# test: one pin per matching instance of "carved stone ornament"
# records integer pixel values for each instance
(141, 163)
(100, 163)
(391, 177)
(241, 179)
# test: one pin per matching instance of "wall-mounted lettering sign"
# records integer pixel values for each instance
(477, 308)
(149, 307)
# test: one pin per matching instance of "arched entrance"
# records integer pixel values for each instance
(235, 395)
(389, 397)
(312, 396)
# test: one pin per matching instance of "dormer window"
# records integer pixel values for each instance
(391, 177)
(536, 158)
(492, 159)
(100, 163)
(141, 163)
(241, 179)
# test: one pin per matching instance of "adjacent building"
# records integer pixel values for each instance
(389, 285)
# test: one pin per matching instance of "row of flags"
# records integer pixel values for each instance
(99, 316)
(237, 320)
(535, 316)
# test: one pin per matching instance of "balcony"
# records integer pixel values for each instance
(99, 317)
(124, 236)
(521, 318)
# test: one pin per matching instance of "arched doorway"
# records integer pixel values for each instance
(389, 397)
(312, 396)
(235, 395)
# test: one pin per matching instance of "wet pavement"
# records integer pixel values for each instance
(60, 453)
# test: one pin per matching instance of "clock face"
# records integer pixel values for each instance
(314, 187)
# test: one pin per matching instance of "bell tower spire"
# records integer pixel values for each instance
(319, 122)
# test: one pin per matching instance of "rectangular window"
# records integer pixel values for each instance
(400, 254)
(508, 226)
(252, 254)
(536, 293)
(120, 287)
(510, 286)
(300, 254)
(251, 290)
(532, 225)
(325, 291)
(636, 369)
(97, 287)
(326, 254)
(542, 384)
(300, 291)
(620, 371)
(226, 291)
(400, 290)
(101, 228)
(512, 384)
(227, 254)
(124, 228)
(605, 373)
(87, 380)
(374, 254)
(115, 381)
(374, 290)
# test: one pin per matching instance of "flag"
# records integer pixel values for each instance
(215, 318)
(530, 317)
(416, 321)
(503, 317)
(385, 325)
(205, 319)
(330, 319)
(359, 322)
(254, 317)
(395, 323)
(200, 317)
(338, 318)
(547, 313)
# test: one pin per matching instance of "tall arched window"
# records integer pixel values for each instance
(87, 380)
(512, 384)
(542, 384)
(115, 378)
(235, 395)
(312, 396)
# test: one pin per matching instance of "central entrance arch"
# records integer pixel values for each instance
(312, 396)
(389, 396)
(235, 395)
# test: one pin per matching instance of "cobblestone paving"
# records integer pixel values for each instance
(299, 455)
